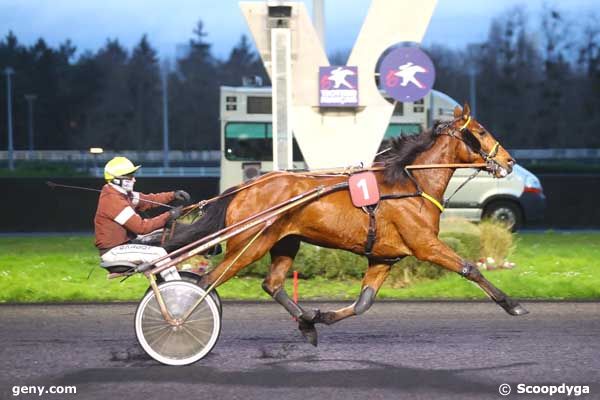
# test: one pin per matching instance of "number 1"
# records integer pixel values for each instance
(363, 185)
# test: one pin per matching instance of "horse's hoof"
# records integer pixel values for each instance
(311, 316)
(512, 307)
(517, 310)
(309, 332)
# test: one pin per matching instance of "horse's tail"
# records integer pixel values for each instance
(212, 220)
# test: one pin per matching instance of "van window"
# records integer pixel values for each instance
(252, 141)
(396, 129)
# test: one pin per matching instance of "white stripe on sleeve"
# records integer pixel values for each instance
(124, 215)
(135, 199)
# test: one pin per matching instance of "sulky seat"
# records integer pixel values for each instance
(118, 267)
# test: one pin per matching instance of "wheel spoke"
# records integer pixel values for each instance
(189, 332)
(199, 319)
(154, 309)
(197, 329)
(154, 329)
(157, 339)
(149, 319)
(164, 342)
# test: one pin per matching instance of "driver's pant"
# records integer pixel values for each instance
(139, 254)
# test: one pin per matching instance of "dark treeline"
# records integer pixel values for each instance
(538, 85)
(112, 98)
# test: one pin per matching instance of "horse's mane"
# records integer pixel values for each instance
(404, 150)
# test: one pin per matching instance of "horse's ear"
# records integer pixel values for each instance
(457, 112)
(466, 111)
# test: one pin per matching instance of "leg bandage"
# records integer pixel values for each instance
(470, 271)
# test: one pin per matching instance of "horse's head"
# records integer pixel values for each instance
(478, 144)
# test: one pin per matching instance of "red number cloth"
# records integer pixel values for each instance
(363, 189)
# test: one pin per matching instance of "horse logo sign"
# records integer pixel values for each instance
(338, 86)
(407, 74)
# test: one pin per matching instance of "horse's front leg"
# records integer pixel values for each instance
(372, 281)
(434, 250)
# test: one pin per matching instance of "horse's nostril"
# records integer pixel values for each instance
(510, 165)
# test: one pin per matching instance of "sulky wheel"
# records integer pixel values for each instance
(195, 279)
(183, 344)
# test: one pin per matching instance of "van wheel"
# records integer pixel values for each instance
(504, 211)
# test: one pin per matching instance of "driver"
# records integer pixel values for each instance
(117, 222)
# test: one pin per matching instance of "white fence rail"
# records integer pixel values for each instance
(555, 154)
(211, 172)
(136, 156)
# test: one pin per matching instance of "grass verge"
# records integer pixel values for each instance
(551, 265)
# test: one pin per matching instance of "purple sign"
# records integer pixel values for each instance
(338, 86)
(406, 74)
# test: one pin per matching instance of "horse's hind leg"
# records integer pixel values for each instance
(230, 266)
(282, 258)
(372, 281)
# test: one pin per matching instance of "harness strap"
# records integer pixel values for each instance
(370, 210)
(172, 230)
(466, 123)
(433, 200)
(381, 260)
(446, 201)
(372, 232)
(163, 238)
(398, 196)
(493, 152)
(167, 232)
(421, 193)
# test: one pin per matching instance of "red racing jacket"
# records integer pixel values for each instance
(116, 221)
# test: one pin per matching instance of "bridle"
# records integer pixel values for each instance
(490, 158)
(490, 165)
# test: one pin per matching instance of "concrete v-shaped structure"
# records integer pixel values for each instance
(338, 138)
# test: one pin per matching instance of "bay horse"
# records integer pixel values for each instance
(406, 226)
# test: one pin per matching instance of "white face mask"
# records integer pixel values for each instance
(127, 184)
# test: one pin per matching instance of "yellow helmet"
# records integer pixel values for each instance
(119, 167)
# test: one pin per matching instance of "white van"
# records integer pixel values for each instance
(515, 199)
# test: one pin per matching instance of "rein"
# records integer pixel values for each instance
(345, 171)
(192, 207)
